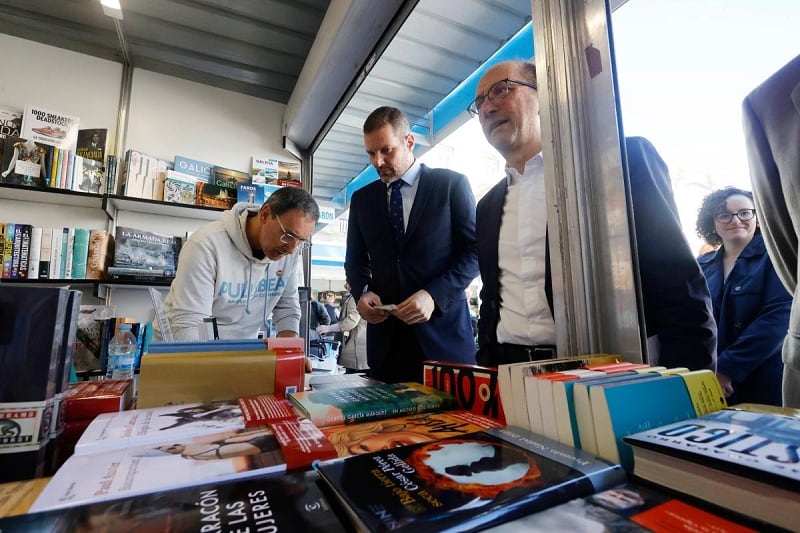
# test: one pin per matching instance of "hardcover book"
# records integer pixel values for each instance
(366, 437)
(288, 502)
(740, 460)
(289, 173)
(88, 175)
(474, 387)
(179, 188)
(142, 176)
(254, 193)
(464, 483)
(629, 508)
(199, 169)
(360, 404)
(210, 195)
(135, 248)
(50, 127)
(92, 144)
(215, 457)
(228, 178)
(126, 429)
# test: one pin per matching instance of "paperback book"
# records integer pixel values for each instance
(264, 170)
(200, 170)
(629, 508)
(389, 433)
(741, 460)
(288, 502)
(125, 429)
(215, 457)
(360, 404)
(10, 124)
(25, 163)
(464, 483)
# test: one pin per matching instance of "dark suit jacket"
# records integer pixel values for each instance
(677, 306)
(772, 131)
(438, 254)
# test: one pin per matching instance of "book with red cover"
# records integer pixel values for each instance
(474, 387)
(87, 399)
(265, 409)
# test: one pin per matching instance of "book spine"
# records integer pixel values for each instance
(111, 174)
(67, 250)
(62, 258)
(100, 242)
(44, 254)
(15, 251)
(53, 166)
(8, 248)
(55, 253)
(35, 250)
(25, 252)
(80, 253)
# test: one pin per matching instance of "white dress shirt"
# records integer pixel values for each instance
(525, 316)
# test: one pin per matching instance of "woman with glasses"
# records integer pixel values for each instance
(751, 305)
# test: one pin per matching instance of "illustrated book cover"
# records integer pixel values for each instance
(135, 248)
(221, 456)
(288, 502)
(212, 195)
(50, 127)
(367, 437)
(474, 387)
(361, 404)
(464, 483)
(10, 125)
(741, 460)
(126, 429)
(200, 170)
(264, 170)
(25, 163)
(92, 144)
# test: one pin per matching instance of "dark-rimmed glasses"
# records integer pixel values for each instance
(496, 94)
(289, 238)
(742, 214)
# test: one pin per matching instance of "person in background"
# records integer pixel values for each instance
(411, 243)
(244, 268)
(330, 308)
(751, 306)
(772, 134)
(516, 317)
(317, 315)
(353, 354)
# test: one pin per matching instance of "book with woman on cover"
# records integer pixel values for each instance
(464, 483)
(360, 404)
(185, 462)
(288, 502)
(746, 461)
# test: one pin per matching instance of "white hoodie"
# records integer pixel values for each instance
(219, 276)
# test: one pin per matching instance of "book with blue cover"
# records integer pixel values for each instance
(199, 169)
(741, 460)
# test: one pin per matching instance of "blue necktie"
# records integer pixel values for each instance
(396, 211)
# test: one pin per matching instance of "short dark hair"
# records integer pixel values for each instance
(288, 198)
(387, 115)
(713, 204)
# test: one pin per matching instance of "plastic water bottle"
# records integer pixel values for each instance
(121, 353)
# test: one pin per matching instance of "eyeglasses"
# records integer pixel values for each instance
(288, 238)
(742, 214)
(496, 94)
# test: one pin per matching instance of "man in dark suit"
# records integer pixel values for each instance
(410, 242)
(772, 131)
(516, 319)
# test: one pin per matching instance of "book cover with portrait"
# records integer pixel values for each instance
(469, 482)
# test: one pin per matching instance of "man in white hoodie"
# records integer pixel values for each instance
(243, 268)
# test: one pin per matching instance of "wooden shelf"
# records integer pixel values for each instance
(112, 204)
(51, 196)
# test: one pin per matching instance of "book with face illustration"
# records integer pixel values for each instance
(465, 482)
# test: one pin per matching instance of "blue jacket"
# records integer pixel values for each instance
(752, 310)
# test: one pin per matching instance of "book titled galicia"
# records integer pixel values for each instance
(361, 404)
(464, 483)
